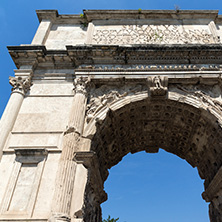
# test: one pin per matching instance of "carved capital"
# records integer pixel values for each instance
(158, 85)
(20, 84)
(81, 84)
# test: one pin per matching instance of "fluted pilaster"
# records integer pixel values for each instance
(67, 166)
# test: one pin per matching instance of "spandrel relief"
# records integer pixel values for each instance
(105, 95)
(153, 34)
(210, 96)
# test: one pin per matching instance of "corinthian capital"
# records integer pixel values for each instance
(80, 85)
(20, 84)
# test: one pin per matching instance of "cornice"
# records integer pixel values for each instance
(54, 16)
(150, 14)
(90, 15)
(47, 14)
(75, 56)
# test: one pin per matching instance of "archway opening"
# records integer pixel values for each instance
(154, 187)
(191, 133)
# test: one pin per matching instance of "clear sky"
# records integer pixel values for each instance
(143, 187)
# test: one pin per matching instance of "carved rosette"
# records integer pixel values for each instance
(158, 85)
(81, 84)
(20, 84)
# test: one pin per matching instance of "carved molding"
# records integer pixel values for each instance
(158, 85)
(81, 84)
(153, 34)
(149, 68)
(20, 84)
(148, 54)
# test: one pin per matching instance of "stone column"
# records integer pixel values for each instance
(67, 165)
(20, 86)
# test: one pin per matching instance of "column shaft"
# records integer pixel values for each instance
(67, 166)
(9, 117)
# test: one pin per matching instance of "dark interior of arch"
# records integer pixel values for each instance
(188, 132)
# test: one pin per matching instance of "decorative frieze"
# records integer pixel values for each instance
(149, 68)
(152, 34)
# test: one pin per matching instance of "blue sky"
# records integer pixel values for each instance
(143, 187)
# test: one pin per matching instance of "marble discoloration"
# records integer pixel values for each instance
(84, 97)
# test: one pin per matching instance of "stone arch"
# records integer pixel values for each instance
(183, 123)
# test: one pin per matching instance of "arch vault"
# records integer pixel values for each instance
(142, 80)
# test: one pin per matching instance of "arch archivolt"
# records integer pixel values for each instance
(110, 98)
(184, 119)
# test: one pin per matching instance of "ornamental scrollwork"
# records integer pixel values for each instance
(20, 84)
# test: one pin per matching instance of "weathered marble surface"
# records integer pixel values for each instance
(90, 89)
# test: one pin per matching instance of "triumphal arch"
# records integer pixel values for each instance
(91, 88)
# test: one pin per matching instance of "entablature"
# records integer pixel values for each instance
(120, 55)
(179, 62)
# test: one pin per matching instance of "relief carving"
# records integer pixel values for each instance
(20, 84)
(158, 85)
(80, 85)
(97, 103)
(104, 96)
(156, 34)
(210, 96)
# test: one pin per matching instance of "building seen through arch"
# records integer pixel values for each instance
(90, 89)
